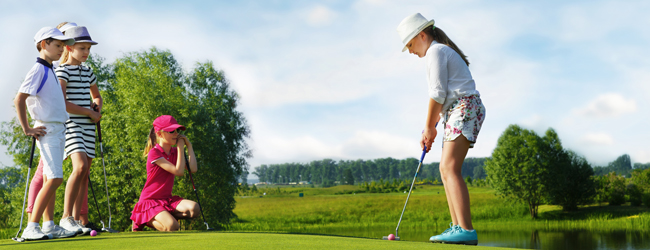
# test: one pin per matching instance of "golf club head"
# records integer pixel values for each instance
(207, 227)
(386, 238)
(109, 230)
(18, 239)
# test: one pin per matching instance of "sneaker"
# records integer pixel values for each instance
(85, 230)
(34, 233)
(451, 227)
(70, 225)
(457, 235)
(92, 226)
(59, 232)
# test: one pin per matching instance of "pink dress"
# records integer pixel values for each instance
(156, 195)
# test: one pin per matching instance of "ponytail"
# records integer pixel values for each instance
(66, 54)
(439, 36)
(151, 142)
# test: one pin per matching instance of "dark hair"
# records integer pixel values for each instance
(439, 36)
(48, 41)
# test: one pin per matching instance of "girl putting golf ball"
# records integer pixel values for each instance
(454, 99)
(157, 208)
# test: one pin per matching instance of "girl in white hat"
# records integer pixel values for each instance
(455, 100)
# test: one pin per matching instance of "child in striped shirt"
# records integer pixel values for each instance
(79, 86)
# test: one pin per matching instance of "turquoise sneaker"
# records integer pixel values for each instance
(457, 235)
(451, 227)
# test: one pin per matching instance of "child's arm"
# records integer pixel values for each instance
(179, 168)
(76, 109)
(19, 102)
(96, 97)
(430, 132)
(190, 153)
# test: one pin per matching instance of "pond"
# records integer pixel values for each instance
(530, 239)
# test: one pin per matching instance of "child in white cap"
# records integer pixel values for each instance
(41, 94)
(79, 85)
(37, 181)
(454, 98)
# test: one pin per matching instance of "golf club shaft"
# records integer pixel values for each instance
(101, 152)
(90, 183)
(29, 170)
(187, 164)
(411, 189)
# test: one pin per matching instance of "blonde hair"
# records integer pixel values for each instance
(66, 54)
(151, 142)
(439, 36)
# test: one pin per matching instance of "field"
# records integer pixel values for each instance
(321, 210)
(341, 218)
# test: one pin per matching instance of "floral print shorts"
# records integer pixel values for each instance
(465, 116)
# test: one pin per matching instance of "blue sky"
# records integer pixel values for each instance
(324, 79)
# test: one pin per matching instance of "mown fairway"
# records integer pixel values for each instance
(375, 215)
(219, 240)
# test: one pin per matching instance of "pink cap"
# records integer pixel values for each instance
(166, 123)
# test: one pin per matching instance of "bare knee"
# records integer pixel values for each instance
(196, 210)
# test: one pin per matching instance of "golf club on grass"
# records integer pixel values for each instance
(396, 237)
(29, 170)
(90, 183)
(187, 165)
(108, 201)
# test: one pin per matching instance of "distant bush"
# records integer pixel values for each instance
(634, 195)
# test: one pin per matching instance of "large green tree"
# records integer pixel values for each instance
(518, 169)
(137, 88)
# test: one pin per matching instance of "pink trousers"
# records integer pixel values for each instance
(37, 184)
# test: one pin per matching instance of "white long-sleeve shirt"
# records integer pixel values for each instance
(448, 75)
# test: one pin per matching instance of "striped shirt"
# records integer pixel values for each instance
(80, 133)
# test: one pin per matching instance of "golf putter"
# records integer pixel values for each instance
(108, 201)
(29, 170)
(187, 165)
(424, 152)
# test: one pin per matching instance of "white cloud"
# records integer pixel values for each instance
(608, 106)
(320, 16)
(532, 121)
(598, 139)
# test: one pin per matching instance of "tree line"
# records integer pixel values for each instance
(327, 172)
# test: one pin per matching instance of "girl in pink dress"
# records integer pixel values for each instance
(157, 208)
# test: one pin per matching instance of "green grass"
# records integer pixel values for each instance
(222, 240)
(323, 212)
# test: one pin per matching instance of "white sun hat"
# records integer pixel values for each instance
(411, 26)
(67, 26)
(49, 32)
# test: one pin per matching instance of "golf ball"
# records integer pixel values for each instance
(391, 237)
(94, 233)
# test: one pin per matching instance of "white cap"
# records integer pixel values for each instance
(67, 26)
(411, 26)
(49, 32)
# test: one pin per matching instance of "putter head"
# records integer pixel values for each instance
(18, 239)
(386, 238)
(207, 227)
(109, 230)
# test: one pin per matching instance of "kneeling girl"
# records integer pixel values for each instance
(157, 208)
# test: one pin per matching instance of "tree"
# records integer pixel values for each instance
(517, 168)
(348, 178)
(136, 89)
(570, 183)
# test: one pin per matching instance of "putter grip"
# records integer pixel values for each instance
(424, 152)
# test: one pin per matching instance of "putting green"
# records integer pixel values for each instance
(222, 240)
